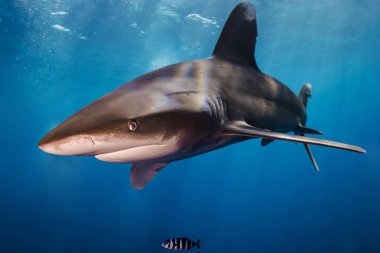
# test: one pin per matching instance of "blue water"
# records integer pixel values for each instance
(58, 56)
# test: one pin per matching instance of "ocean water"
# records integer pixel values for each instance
(58, 56)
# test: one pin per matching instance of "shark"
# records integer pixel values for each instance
(190, 108)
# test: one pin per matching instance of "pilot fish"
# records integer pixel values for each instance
(181, 243)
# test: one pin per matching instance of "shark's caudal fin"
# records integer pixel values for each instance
(308, 150)
(238, 38)
(142, 173)
(241, 128)
(304, 95)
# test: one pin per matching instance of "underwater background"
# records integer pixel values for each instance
(58, 56)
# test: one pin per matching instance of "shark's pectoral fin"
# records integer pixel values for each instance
(142, 173)
(241, 128)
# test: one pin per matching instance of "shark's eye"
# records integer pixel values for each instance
(132, 125)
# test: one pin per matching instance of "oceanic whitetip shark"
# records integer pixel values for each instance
(190, 108)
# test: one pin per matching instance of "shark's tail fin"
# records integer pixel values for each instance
(198, 244)
(304, 95)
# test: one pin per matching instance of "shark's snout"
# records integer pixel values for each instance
(73, 145)
(84, 133)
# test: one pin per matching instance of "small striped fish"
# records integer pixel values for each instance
(180, 244)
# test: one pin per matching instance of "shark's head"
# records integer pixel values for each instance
(129, 125)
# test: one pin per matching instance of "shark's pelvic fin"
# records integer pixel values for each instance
(306, 130)
(238, 38)
(142, 173)
(265, 141)
(241, 128)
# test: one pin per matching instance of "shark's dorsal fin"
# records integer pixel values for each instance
(142, 173)
(237, 41)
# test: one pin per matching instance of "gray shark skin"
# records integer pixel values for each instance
(190, 108)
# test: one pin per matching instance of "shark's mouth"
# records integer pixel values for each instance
(141, 153)
(113, 149)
